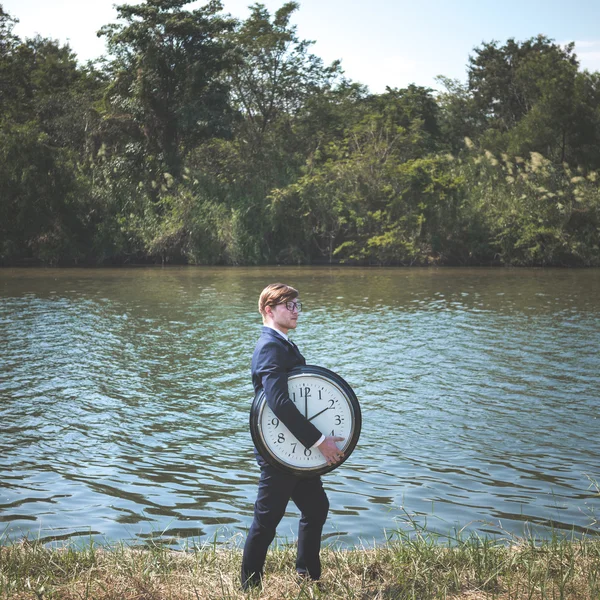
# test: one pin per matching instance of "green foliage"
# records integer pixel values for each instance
(205, 140)
(535, 212)
(532, 98)
(165, 94)
(275, 84)
(274, 74)
(42, 199)
(45, 110)
(375, 195)
(508, 81)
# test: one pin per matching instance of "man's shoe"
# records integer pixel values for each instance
(305, 579)
(251, 583)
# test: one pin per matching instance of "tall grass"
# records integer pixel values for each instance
(528, 211)
(415, 565)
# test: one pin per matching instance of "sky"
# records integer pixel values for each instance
(379, 42)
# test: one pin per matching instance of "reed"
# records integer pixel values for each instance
(414, 566)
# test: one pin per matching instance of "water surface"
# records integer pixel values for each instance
(124, 399)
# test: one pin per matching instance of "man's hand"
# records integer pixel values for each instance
(330, 451)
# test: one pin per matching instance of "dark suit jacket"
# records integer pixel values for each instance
(273, 358)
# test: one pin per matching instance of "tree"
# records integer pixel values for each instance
(45, 110)
(10, 89)
(275, 74)
(404, 107)
(458, 115)
(508, 81)
(584, 130)
(167, 93)
(377, 195)
(275, 82)
(526, 94)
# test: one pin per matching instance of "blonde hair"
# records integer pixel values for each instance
(275, 293)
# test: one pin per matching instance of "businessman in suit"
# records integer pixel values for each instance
(274, 356)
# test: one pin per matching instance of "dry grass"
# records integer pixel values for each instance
(419, 569)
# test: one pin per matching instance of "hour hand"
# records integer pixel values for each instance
(319, 413)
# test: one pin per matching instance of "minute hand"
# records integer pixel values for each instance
(319, 413)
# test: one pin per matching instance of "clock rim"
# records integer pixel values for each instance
(259, 404)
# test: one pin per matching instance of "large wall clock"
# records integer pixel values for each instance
(327, 401)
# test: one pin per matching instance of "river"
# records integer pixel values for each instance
(124, 400)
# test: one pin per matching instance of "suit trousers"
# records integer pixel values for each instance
(275, 489)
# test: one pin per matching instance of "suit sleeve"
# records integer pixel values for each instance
(275, 384)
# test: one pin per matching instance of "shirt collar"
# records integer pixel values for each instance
(285, 337)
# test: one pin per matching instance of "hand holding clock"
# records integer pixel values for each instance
(331, 453)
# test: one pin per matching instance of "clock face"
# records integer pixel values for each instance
(327, 401)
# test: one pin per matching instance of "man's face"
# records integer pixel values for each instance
(283, 318)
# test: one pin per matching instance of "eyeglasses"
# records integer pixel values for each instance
(293, 305)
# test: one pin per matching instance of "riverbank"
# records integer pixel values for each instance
(417, 568)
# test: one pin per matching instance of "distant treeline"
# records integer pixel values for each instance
(207, 140)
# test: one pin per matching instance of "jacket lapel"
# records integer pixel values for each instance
(288, 343)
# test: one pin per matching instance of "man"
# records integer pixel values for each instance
(274, 356)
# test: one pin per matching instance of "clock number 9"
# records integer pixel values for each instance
(275, 422)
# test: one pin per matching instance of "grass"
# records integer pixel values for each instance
(406, 567)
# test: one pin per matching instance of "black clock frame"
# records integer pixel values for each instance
(259, 404)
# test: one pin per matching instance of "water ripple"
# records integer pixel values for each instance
(124, 398)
